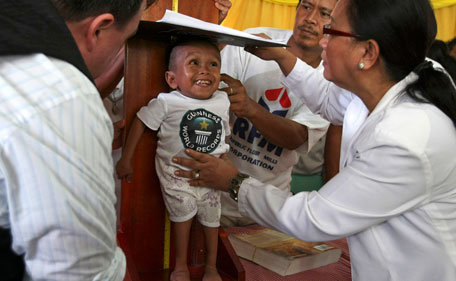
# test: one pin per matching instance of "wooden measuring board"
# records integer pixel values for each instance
(145, 233)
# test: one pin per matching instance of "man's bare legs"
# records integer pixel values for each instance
(211, 237)
(181, 237)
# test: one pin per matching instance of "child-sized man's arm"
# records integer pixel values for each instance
(124, 168)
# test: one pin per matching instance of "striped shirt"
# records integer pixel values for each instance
(56, 183)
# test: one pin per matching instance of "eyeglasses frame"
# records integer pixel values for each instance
(327, 30)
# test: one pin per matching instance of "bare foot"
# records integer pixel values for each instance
(211, 274)
(180, 275)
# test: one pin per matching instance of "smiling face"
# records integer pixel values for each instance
(311, 15)
(194, 69)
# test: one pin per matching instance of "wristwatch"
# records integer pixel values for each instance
(235, 183)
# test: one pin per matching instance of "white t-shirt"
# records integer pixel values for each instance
(249, 151)
(184, 122)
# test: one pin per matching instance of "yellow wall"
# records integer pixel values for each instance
(281, 13)
(446, 22)
(254, 13)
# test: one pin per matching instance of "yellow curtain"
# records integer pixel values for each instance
(437, 4)
(281, 14)
(446, 22)
(254, 13)
(286, 2)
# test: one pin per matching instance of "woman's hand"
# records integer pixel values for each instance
(207, 170)
(282, 56)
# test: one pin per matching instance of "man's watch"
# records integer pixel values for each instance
(235, 183)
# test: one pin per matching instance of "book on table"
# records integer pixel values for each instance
(283, 253)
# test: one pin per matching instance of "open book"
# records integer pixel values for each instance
(282, 253)
(173, 23)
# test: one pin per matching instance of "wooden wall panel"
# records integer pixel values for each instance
(156, 10)
(143, 210)
(201, 9)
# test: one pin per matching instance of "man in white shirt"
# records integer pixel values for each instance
(271, 126)
(57, 216)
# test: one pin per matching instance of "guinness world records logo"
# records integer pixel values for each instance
(201, 130)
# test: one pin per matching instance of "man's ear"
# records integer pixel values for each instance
(97, 26)
(371, 53)
(170, 78)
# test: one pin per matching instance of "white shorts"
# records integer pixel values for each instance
(183, 201)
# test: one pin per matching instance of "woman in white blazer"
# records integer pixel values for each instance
(395, 196)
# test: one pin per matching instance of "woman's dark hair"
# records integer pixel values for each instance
(452, 44)
(440, 53)
(404, 31)
(77, 10)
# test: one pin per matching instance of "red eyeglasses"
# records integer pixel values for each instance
(327, 30)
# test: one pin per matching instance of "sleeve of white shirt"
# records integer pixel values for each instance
(384, 180)
(316, 126)
(153, 114)
(233, 61)
(61, 193)
(226, 117)
(320, 95)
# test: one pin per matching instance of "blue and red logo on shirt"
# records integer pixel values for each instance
(245, 130)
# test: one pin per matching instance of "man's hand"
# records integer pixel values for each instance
(124, 169)
(240, 103)
(118, 131)
(224, 6)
